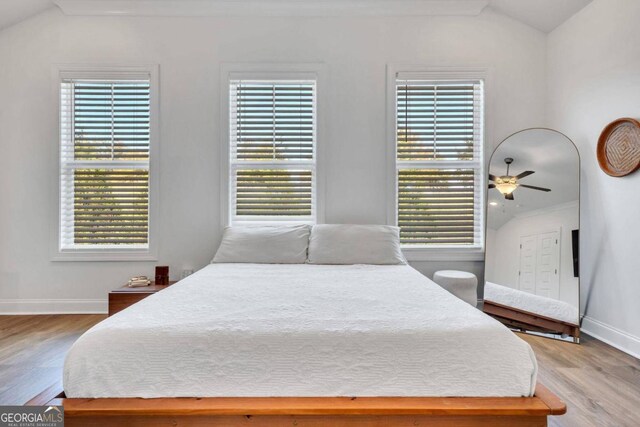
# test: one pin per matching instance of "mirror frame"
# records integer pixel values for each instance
(576, 338)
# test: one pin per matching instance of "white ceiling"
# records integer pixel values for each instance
(14, 11)
(272, 7)
(545, 15)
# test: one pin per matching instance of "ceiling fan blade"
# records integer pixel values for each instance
(492, 177)
(492, 186)
(525, 173)
(533, 187)
(509, 196)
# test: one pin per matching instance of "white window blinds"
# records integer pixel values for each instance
(439, 139)
(105, 138)
(272, 150)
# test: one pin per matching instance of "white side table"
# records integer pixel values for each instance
(462, 284)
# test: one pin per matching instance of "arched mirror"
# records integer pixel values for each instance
(533, 218)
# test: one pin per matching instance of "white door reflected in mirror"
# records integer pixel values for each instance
(539, 264)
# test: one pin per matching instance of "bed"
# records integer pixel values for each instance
(529, 312)
(258, 344)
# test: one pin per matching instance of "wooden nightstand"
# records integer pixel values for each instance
(122, 298)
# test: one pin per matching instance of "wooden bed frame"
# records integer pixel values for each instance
(307, 411)
(528, 321)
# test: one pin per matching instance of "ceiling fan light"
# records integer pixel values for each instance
(506, 187)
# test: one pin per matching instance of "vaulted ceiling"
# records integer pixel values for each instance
(14, 11)
(545, 15)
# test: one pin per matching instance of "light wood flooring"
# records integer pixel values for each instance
(32, 351)
(600, 384)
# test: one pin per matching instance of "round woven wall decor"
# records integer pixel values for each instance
(619, 147)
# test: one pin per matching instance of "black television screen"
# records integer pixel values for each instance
(575, 245)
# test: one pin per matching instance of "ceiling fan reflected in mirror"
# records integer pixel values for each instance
(507, 184)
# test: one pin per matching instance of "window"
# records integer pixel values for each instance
(438, 151)
(105, 151)
(272, 129)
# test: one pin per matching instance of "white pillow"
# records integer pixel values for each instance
(355, 244)
(279, 244)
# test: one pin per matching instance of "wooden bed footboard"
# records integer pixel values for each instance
(308, 411)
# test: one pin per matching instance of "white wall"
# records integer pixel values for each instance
(490, 243)
(503, 249)
(190, 52)
(593, 78)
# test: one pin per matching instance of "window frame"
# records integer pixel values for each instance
(109, 72)
(421, 72)
(266, 72)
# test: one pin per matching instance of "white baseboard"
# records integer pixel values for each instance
(53, 306)
(621, 340)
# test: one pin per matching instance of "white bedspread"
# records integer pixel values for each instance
(300, 330)
(544, 306)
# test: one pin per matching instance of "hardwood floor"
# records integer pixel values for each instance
(32, 350)
(600, 384)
